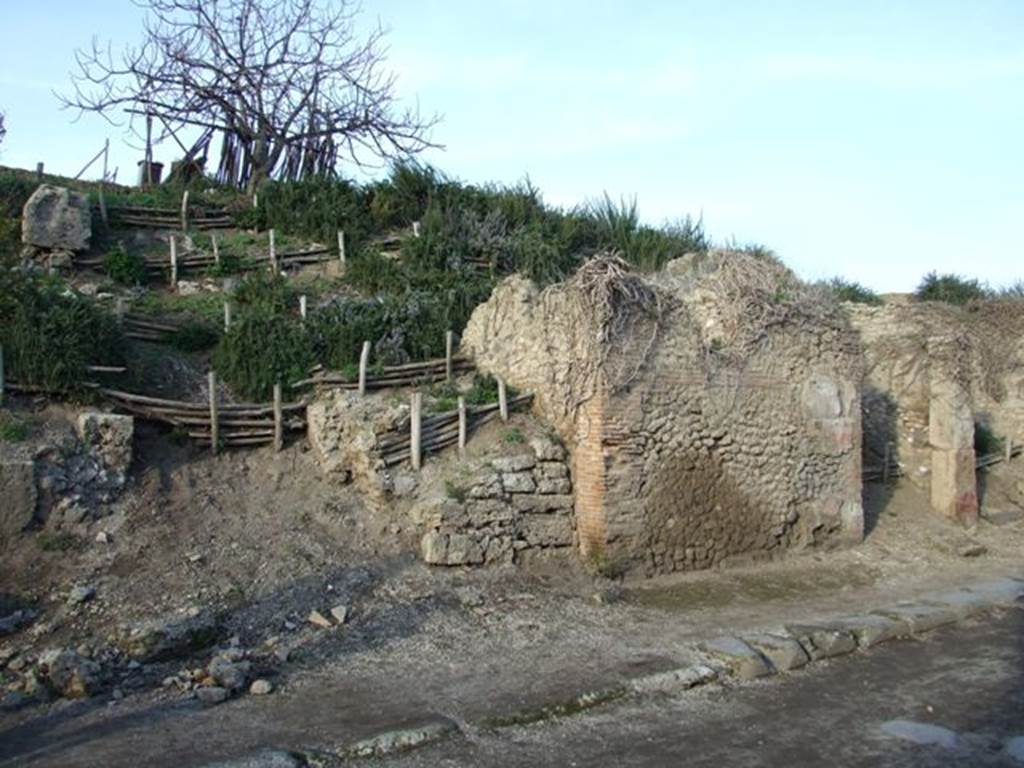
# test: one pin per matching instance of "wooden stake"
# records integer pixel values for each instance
(449, 348)
(103, 181)
(462, 426)
(273, 253)
(341, 247)
(184, 212)
(502, 399)
(216, 250)
(174, 262)
(416, 425)
(214, 427)
(39, 171)
(302, 307)
(364, 359)
(227, 316)
(278, 419)
(1, 374)
(1009, 447)
(887, 458)
(415, 229)
(119, 310)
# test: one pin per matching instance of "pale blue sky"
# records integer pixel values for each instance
(876, 140)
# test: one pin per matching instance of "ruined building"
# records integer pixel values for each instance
(938, 377)
(712, 410)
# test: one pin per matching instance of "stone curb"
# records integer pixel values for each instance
(758, 654)
(751, 655)
(402, 739)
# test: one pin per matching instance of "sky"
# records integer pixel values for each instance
(872, 140)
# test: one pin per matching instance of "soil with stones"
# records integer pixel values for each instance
(259, 541)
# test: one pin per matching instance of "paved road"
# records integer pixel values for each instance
(969, 679)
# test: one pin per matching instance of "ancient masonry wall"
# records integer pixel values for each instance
(931, 372)
(511, 508)
(705, 457)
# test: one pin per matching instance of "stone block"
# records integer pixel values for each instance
(18, 497)
(560, 487)
(537, 503)
(485, 512)
(741, 660)
(109, 438)
(547, 449)
(553, 469)
(450, 549)
(520, 463)
(870, 629)
(518, 482)
(57, 219)
(784, 653)
(546, 530)
(822, 641)
(920, 617)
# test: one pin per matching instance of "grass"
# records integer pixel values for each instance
(200, 306)
(986, 441)
(49, 541)
(951, 289)
(456, 492)
(13, 429)
(514, 437)
(848, 290)
(50, 335)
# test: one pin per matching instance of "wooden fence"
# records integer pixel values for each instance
(174, 264)
(434, 433)
(218, 424)
(170, 218)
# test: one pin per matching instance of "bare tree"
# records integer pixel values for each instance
(3, 128)
(290, 86)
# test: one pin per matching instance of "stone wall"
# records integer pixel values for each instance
(508, 508)
(724, 426)
(64, 479)
(931, 372)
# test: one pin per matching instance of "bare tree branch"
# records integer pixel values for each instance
(290, 84)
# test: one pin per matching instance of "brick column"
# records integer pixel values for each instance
(590, 480)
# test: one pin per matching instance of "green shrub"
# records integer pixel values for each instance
(1013, 291)
(10, 239)
(483, 392)
(403, 197)
(315, 208)
(848, 290)
(50, 336)
(48, 541)
(514, 437)
(12, 429)
(266, 293)
(952, 289)
(195, 337)
(986, 441)
(259, 350)
(455, 492)
(15, 190)
(124, 267)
